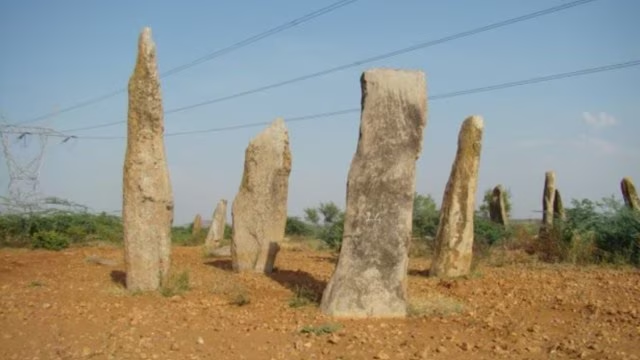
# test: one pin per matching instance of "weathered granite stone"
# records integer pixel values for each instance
(370, 277)
(497, 207)
(630, 194)
(196, 227)
(216, 229)
(259, 211)
(454, 237)
(147, 212)
(548, 199)
(558, 207)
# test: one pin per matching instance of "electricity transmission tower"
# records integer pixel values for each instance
(24, 148)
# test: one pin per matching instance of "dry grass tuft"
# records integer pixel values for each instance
(434, 305)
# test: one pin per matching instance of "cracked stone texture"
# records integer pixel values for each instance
(454, 237)
(259, 211)
(147, 212)
(370, 277)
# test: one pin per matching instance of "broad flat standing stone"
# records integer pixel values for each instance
(216, 229)
(630, 194)
(454, 238)
(370, 277)
(259, 211)
(497, 207)
(197, 225)
(147, 211)
(548, 199)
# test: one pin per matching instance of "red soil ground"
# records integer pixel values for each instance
(63, 305)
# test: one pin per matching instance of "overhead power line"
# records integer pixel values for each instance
(364, 61)
(390, 54)
(436, 97)
(251, 40)
(539, 79)
(210, 56)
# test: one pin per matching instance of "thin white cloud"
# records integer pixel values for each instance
(598, 121)
(597, 144)
(534, 143)
(583, 141)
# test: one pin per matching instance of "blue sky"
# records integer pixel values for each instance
(57, 53)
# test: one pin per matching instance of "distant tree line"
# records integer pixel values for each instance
(594, 231)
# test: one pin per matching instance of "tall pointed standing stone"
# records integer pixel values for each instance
(259, 211)
(454, 237)
(558, 207)
(497, 206)
(548, 199)
(216, 229)
(196, 227)
(147, 211)
(630, 194)
(370, 277)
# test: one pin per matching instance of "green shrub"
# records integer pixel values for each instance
(50, 240)
(331, 228)
(425, 216)
(331, 233)
(182, 235)
(594, 232)
(228, 231)
(487, 233)
(77, 227)
(15, 230)
(297, 227)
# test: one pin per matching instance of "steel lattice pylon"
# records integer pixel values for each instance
(24, 149)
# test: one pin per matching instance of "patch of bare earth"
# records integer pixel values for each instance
(71, 305)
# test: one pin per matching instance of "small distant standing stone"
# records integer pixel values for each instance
(147, 212)
(370, 277)
(196, 227)
(216, 229)
(454, 237)
(548, 200)
(630, 194)
(259, 211)
(558, 207)
(497, 206)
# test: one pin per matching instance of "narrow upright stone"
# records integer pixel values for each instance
(216, 229)
(147, 210)
(630, 194)
(548, 199)
(370, 277)
(558, 207)
(497, 208)
(196, 227)
(259, 211)
(454, 237)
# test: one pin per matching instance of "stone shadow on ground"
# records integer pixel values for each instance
(424, 273)
(332, 259)
(119, 277)
(297, 280)
(222, 264)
